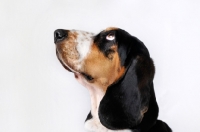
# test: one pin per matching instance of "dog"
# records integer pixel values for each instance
(118, 71)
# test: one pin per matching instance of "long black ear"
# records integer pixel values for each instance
(120, 108)
(126, 103)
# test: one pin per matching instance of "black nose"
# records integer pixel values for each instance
(59, 35)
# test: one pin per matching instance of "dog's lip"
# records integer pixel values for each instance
(67, 68)
(70, 69)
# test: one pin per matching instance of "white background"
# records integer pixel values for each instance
(38, 95)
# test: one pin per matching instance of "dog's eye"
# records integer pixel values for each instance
(87, 77)
(110, 36)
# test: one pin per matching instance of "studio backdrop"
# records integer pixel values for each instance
(38, 95)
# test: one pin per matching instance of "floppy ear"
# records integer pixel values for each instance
(120, 108)
(126, 101)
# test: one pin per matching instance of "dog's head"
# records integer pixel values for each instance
(96, 58)
(115, 63)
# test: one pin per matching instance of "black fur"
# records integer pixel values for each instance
(124, 100)
(89, 116)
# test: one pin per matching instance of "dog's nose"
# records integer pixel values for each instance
(59, 35)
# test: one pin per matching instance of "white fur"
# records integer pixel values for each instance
(96, 94)
(93, 125)
(84, 41)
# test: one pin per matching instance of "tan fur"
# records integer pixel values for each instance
(104, 70)
(111, 28)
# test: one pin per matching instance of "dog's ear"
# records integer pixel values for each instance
(126, 101)
(121, 105)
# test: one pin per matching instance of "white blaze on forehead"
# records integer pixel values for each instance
(84, 41)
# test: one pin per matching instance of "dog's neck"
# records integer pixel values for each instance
(96, 95)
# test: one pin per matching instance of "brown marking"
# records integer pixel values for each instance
(143, 111)
(121, 72)
(111, 28)
(114, 47)
(102, 69)
(110, 55)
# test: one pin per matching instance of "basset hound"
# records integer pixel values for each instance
(118, 72)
